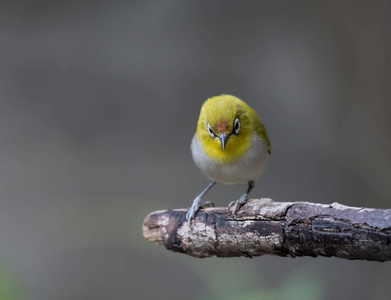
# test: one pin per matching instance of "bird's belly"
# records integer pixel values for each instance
(248, 168)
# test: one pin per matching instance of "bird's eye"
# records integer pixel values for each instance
(236, 126)
(212, 134)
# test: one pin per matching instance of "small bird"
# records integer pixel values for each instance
(230, 146)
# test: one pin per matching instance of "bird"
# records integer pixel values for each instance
(230, 146)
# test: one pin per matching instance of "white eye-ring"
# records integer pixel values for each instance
(236, 126)
(212, 134)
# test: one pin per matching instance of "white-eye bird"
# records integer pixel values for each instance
(230, 146)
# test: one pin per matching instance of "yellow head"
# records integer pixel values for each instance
(226, 127)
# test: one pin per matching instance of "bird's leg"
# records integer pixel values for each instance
(234, 206)
(197, 203)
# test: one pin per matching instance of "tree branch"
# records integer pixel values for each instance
(262, 226)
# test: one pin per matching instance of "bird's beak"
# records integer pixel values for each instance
(223, 139)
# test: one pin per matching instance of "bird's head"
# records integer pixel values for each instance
(225, 128)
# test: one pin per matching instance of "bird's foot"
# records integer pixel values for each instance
(234, 206)
(195, 207)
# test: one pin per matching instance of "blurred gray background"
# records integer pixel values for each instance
(98, 104)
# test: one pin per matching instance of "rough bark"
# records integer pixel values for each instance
(279, 228)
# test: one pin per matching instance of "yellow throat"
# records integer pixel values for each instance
(221, 113)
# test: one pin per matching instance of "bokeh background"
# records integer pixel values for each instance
(98, 104)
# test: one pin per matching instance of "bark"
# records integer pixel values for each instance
(262, 226)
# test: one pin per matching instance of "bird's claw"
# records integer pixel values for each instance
(195, 207)
(234, 206)
(191, 213)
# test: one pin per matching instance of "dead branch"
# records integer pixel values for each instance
(278, 228)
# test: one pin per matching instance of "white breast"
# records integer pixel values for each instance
(248, 168)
